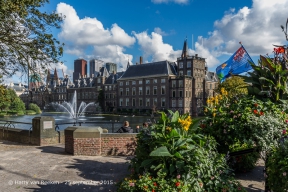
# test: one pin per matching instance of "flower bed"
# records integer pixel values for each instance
(176, 158)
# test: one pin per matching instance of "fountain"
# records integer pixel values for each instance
(71, 107)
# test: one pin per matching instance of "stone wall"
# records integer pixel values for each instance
(93, 141)
(26, 137)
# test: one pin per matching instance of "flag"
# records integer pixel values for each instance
(238, 63)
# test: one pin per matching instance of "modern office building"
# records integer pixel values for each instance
(94, 67)
(80, 69)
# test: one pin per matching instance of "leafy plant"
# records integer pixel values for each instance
(277, 166)
(173, 150)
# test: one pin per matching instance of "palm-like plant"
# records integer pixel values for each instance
(269, 77)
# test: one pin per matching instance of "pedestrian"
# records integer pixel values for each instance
(125, 128)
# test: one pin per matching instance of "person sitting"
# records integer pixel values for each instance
(125, 128)
(137, 130)
(145, 128)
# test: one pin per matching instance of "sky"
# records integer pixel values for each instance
(121, 31)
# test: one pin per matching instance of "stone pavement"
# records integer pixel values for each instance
(49, 168)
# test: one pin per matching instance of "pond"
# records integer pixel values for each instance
(102, 120)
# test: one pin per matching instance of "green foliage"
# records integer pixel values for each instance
(234, 85)
(26, 36)
(174, 157)
(277, 167)
(246, 120)
(35, 108)
(101, 98)
(245, 162)
(268, 79)
(30, 112)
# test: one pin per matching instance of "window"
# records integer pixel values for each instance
(99, 80)
(147, 81)
(127, 82)
(105, 88)
(154, 80)
(140, 82)
(180, 103)
(127, 102)
(162, 102)
(181, 65)
(140, 102)
(127, 91)
(133, 102)
(147, 90)
(173, 103)
(140, 90)
(154, 90)
(121, 83)
(180, 73)
(181, 93)
(147, 102)
(163, 90)
(188, 64)
(121, 91)
(181, 83)
(120, 102)
(133, 82)
(98, 88)
(173, 83)
(189, 72)
(173, 93)
(155, 101)
(210, 86)
(110, 87)
(133, 91)
(163, 80)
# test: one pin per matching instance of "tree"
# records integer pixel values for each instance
(4, 100)
(16, 104)
(26, 38)
(100, 98)
(234, 85)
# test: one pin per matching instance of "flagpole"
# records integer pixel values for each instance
(246, 52)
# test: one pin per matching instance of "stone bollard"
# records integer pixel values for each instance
(43, 131)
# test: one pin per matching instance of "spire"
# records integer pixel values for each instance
(185, 49)
(55, 74)
(128, 65)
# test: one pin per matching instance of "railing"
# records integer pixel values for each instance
(11, 124)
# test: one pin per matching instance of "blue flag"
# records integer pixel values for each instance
(238, 63)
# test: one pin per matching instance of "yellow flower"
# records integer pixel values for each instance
(185, 123)
(205, 110)
(214, 114)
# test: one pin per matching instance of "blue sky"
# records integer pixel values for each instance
(118, 31)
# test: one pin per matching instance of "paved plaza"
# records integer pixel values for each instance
(49, 168)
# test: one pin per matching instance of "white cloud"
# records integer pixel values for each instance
(167, 1)
(154, 47)
(89, 33)
(258, 28)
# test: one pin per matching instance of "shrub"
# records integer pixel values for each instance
(277, 167)
(173, 157)
(30, 112)
(243, 119)
(244, 162)
(35, 108)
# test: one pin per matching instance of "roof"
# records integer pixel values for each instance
(112, 79)
(211, 76)
(160, 68)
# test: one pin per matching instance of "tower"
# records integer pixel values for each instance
(95, 66)
(80, 67)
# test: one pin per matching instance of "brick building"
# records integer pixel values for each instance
(183, 85)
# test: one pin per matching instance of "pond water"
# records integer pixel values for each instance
(64, 121)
